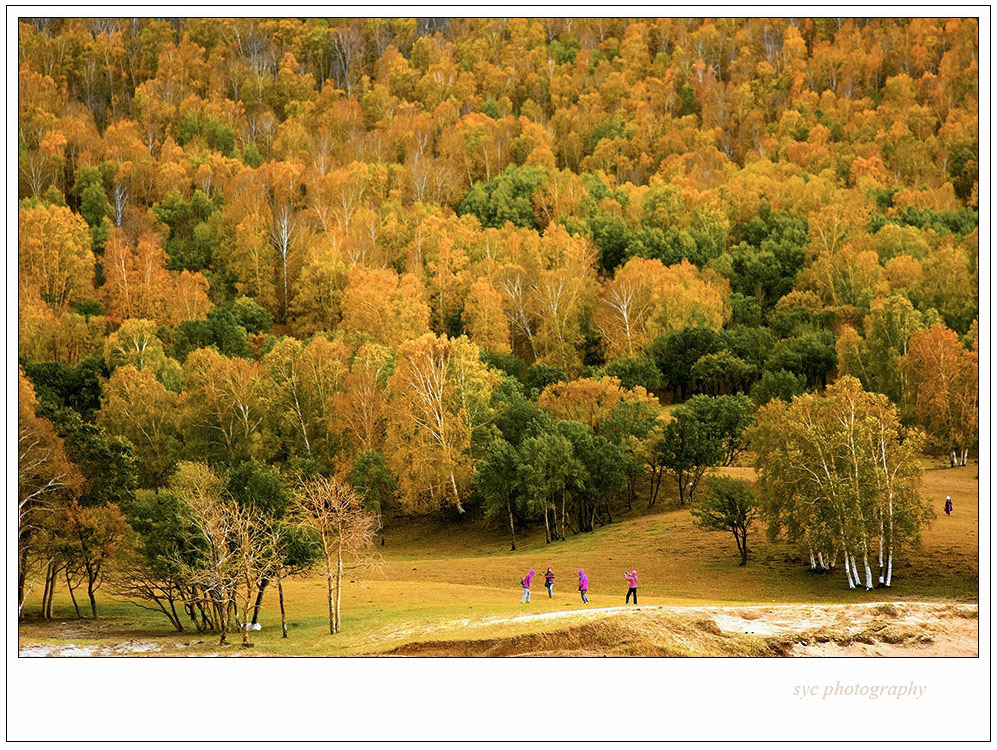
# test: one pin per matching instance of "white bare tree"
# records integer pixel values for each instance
(331, 509)
(347, 50)
(283, 233)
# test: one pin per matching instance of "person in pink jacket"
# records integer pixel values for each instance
(632, 580)
(583, 585)
(527, 580)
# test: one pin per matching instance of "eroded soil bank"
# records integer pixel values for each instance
(878, 629)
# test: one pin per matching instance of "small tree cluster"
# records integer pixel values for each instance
(840, 476)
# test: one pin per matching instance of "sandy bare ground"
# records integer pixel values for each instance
(873, 629)
(126, 648)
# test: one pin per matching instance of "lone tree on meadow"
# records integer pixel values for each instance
(728, 505)
(336, 514)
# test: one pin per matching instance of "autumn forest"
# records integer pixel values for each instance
(284, 282)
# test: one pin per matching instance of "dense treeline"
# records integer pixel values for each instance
(462, 262)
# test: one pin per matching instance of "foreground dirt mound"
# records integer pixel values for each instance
(883, 629)
(625, 635)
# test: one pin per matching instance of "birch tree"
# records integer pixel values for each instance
(687, 448)
(497, 480)
(225, 408)
(547, 465)
(136, 343)
(256, 540)
(875, 359)
(512, 283)
(138, 407)
(487, 323)
(439, 394)
(646, 299)
(240, 547)
(299, 384)
(284, 236)
(942, 390)
(348, 47)
(333, 511)
(385, 306)
(360, 410)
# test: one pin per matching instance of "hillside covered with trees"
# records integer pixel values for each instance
(543, 267)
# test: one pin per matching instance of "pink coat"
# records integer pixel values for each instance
(583, 581)
(528, 579)
(631, 578)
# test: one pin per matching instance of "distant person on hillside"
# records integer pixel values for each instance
(583, 585)
(526, 581)
(948, 505)
(632, 580)
(549, 583)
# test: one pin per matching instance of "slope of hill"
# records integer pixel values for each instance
(460, 583)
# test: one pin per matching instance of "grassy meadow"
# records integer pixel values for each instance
(433, 580)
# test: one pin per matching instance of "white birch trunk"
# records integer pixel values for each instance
(889, 567)
(881, 552)
(848, 573)
(456, 494)
(868, 571)
(339, 583)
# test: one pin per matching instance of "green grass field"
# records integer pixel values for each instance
(434, 579)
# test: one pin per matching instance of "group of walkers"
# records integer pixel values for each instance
(583, 585)
(631, 577)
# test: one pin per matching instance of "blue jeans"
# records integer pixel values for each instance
(550, 590)
(584, 598)
(526, 596)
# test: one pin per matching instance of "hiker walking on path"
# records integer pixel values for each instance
(583, 585)
(632, 580)
(526, 581)
(948, 505)
(549, 583)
